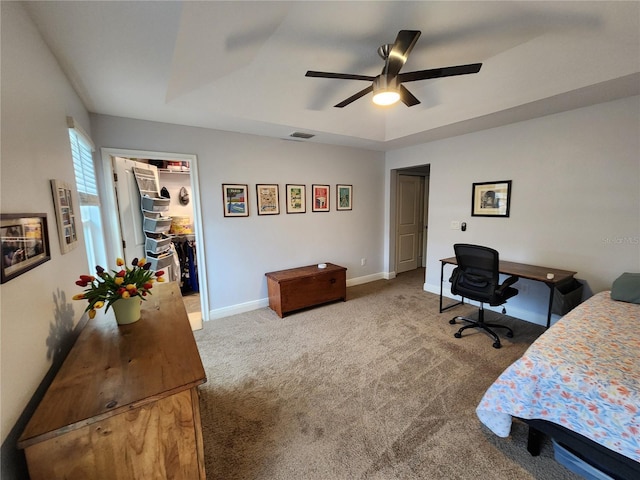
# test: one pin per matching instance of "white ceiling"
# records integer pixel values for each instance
(240, 66)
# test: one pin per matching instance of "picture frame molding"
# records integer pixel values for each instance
(65, 215)
(302, 208)
(19, 222)
(226, 202)
(320, 203)
(340, 205)
(500, 191)
(264, 208)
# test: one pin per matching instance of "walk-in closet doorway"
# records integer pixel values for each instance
(177, 179)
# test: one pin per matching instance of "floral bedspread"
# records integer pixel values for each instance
(583, 373)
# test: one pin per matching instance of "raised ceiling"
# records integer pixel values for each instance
(240, 66)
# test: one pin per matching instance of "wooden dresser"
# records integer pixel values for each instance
(303, 287)
(125, 403)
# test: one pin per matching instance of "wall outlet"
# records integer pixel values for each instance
(363, 262)
(455, 225)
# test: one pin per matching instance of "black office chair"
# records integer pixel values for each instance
(476, 277)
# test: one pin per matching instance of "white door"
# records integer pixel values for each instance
(128, 203)
(410, 194)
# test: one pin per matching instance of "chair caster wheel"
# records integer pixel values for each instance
(510, 334)
(457, 335)
(452, 321)
(496, 345)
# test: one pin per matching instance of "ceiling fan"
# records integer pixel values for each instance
(388, 87)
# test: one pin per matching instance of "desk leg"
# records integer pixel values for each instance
(461, 302)
(551, 290)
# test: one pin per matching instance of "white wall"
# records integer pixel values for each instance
(36, 308)
(174, 182)
(241, 250)
(575, 203)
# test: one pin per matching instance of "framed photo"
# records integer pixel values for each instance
(320, 197)
(25, 243)
(268, 202)
(234, 200)
(344, 197)
(65, 215)
(491, 199)
(296, 198)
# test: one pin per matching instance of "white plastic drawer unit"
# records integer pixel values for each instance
(157, 245)
(148, 214)
(152, 204)
(161, 262)
(157, 225)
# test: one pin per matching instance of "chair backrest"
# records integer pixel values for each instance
(477, 276)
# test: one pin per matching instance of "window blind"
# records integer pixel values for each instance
(82, 153)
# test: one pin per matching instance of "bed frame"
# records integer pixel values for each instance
(595, 344)
(607, 461)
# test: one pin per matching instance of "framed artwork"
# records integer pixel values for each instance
(491, 199)
(25, 243)
(344, 197)
(296, 198)
(65, 215)
(234, 200)
(268, 202)
(320, 197)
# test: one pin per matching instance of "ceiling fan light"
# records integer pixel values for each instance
(386, 90)
(386, 97)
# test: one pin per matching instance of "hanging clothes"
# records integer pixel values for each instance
(185, 247)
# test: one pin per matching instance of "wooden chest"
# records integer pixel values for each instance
(303, 287)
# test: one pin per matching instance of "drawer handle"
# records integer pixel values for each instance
(333, 280)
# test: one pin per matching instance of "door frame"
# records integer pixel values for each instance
(109, 209)
(419, 245)
(417, 170)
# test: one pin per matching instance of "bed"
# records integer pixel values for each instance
(579, 383)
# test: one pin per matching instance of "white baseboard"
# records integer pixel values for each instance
(512, 311)
(264, 302)
(366, 279)
(238, 308)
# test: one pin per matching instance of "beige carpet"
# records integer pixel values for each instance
(375, 387)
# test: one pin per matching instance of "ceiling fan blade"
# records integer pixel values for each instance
(355, 97)
(400, 51)
(342, 76)
(407, 97)
(439, 72)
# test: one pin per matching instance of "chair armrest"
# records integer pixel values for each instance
(507, 283)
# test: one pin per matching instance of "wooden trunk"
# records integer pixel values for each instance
(303, 287)
(125, 402)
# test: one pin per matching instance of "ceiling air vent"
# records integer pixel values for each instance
(306, 136)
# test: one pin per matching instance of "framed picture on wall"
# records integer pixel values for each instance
(344, 197)
(65, 215)
(25, 243)
(268, 201)
(491, 199)
(235, 200)
(320, 197)
(296, 198)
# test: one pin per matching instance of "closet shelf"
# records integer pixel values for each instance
(179, 172)
(183, 236)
